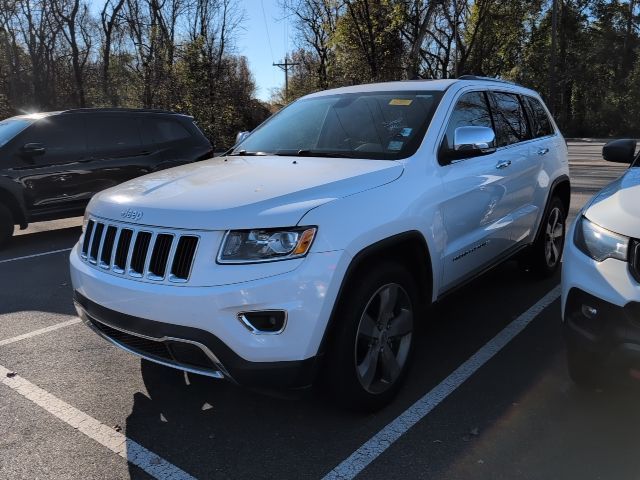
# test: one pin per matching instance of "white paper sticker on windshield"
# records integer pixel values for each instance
(405, 132)
(395, 145)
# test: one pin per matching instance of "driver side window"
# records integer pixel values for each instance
(470, 111)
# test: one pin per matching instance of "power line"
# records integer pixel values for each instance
(266, 26)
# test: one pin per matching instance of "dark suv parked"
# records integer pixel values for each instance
(51, 164)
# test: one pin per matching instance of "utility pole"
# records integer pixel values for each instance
(552, 60)
(285, 67)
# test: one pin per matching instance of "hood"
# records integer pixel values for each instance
(240, 192)
(617, 206)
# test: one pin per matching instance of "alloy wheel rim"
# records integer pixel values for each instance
(554, 237)
(383, 338)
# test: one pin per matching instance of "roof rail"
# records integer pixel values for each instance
(486, 79)
(117, 109)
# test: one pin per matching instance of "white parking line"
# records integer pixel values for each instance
(115, 441)
(35, 255)
(382, 440)
(40, 331)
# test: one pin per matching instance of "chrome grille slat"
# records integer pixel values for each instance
(140, 252)
(122, 255)
(86, 241)
(160, 252)
(96, 240)
(106, 249)
(183, 259)
(149, 253)
(115, 247)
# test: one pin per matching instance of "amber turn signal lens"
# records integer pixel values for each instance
(305, 241)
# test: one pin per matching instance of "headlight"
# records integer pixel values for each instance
(265, 245)
(600, 243)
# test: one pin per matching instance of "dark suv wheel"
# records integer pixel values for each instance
(6, 225)
(371, 348)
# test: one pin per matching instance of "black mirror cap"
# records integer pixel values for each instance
(619, 151)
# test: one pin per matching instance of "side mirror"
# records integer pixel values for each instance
(33, 149)
(474, 141)
(241, 136)
(619, 151)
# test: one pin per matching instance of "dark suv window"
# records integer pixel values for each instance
(471, 110)
(540, 123)
(112, 133)
(160, 130)
(509, 118)
(63, 138)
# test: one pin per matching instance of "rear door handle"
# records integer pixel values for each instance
(503, 164)
(543, 151)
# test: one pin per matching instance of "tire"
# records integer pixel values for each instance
(546, 252)
(370, 350)
(6, 225)
(583, 366)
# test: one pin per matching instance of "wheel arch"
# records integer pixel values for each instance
(409, 248)
(15, 206)
(561, 188)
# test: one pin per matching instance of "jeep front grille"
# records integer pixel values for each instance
(139, 252)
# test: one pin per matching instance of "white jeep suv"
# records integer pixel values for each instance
(316, 243)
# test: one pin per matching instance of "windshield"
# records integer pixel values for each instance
(11, 127)
(376, 125)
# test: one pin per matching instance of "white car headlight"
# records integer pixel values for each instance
(266, 245)
(600, 243)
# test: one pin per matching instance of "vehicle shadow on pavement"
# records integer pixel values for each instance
(37, 242)
(187, 420)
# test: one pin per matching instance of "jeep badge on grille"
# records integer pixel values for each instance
(131, 214)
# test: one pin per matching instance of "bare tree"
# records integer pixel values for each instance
(72, 18)
(110, 18)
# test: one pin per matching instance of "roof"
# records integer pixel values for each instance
(39, 115)
(119, 110)
(412, 85)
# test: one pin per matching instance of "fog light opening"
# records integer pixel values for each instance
(266, 322)
(589, 311)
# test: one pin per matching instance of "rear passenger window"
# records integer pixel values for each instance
(112, 133)
(471, 110)
(509, 118)
(540, 123)
(156, 130)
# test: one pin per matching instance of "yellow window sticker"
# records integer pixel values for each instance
(401, 101)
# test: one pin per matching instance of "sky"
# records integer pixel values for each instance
(266, 37)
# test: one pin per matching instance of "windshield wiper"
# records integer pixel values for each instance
(314, 153)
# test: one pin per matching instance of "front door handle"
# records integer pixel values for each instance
(543, 151)
(503, 164)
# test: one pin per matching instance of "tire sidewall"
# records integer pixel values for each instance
(340, 367)
(6, 225)
(539, 258)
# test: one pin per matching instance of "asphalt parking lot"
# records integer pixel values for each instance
(488, 395)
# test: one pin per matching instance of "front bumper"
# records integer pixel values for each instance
(609, 323)
(205, 320)
(190, 349)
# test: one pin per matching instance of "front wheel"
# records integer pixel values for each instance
(6, 225)
(371, 346)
